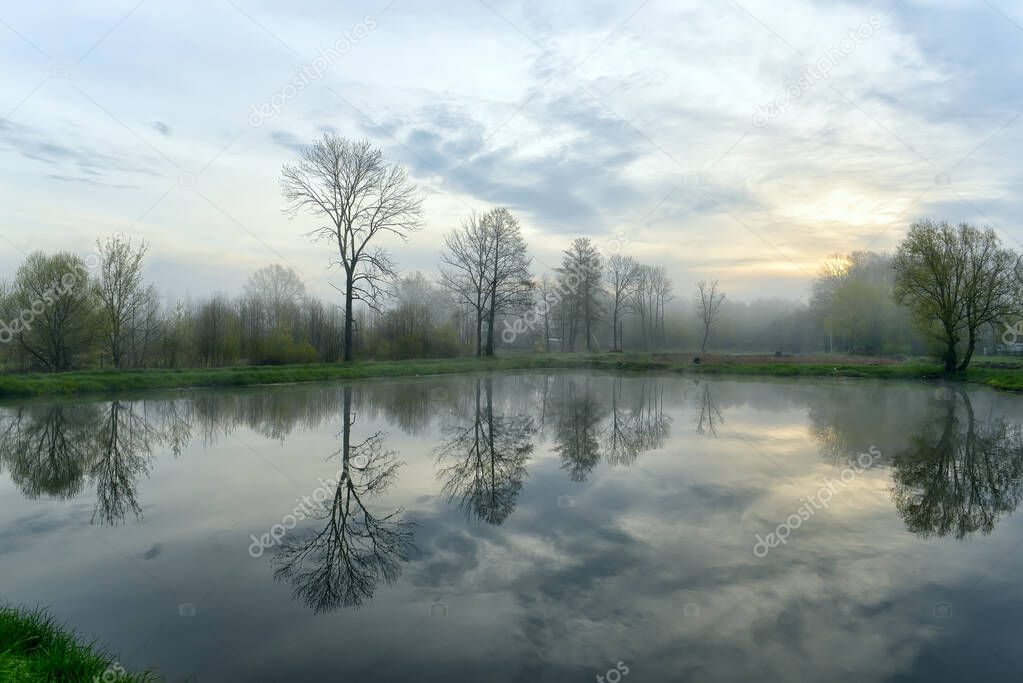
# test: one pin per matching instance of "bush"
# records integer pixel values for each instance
(280, 349)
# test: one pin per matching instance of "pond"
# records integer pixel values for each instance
(527, 527)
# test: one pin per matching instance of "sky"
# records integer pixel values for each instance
(743, 141)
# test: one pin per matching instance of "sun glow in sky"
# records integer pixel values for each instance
(705, 132)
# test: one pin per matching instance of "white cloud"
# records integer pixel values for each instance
(582, 120)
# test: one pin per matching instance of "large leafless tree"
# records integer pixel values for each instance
(464, 266)
(360, 198)
(485, 266)
(508, 278)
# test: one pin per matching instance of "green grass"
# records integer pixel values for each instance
(997, 373)
(134, 380)
(34, 648)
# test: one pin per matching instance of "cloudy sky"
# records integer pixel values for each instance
(746, 141)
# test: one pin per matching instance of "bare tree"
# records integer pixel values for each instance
(708, 307)
(508, 277)
(956, 279)
(660, 286)
(547, 298)
(362, 198)
(122, 293)
(622, 278)
(146, 328)
(464, 268)
(641, 302)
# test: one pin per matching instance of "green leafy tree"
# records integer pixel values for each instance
(51, 311)
(956, 279)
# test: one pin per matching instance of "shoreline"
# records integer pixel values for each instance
(1003, 376)
(38, 648)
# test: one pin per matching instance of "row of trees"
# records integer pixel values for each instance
(485, 267)
(946, 290)
(62, 311)
(951, 281)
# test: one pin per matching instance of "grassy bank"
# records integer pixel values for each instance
(136, 380)
(1004, 375)
(34, 648)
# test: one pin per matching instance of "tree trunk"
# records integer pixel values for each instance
(588, 314)
(346, 432)
(614, 329)
(490, 326)
(348, 317)
(970, 347)
(479, 333)
(950, 357)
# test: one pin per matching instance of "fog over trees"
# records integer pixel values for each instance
(948, 291)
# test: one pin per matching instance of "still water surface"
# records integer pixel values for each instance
(527, 527)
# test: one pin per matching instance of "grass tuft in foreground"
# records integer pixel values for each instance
(33, 647)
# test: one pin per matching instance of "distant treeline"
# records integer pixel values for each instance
(63, 312)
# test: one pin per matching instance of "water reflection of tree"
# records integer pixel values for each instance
(710, 415)
(490, 453)
(636, 422)
(273, 414)
(959, 475)
(53, 450)
(342, 564)
(124, 445)
(845, 421)
(591, 424)
(578, 428)
(49, 448)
